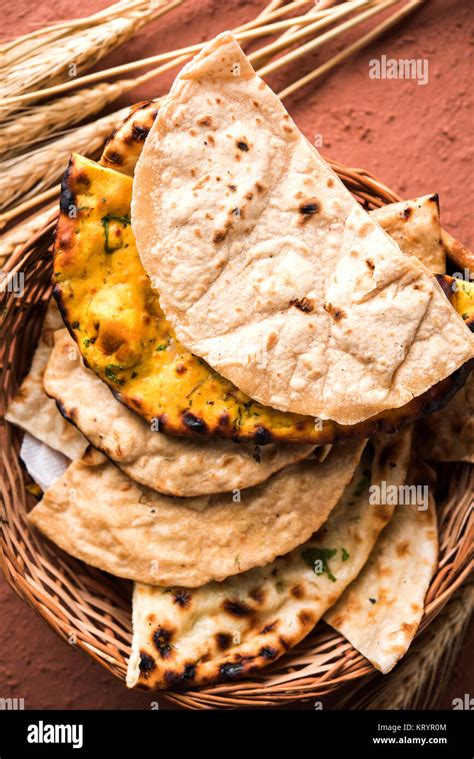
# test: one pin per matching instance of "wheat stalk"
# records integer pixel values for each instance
(359, 44)
(419, 680)
(29, 174)
(79, 50)
(21, 48)
(323, 4)
(26, 206)
(38, 123)
(38, 169)
(161, 57)
(42, 166)
(313, 24)
(315, 12)
(326, 37)
(18, 235)
(42, 121)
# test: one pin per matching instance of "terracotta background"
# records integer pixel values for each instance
(418, 139)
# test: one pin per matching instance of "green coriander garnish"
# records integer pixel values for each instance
(105, 221)
(110, 373)
(317, 559)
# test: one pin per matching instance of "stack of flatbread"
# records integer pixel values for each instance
(238, 357)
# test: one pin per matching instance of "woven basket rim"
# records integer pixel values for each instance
(76, 599)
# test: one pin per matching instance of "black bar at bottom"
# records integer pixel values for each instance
(319, 733)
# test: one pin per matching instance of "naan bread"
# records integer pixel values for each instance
(124, 145)
(166, 464)
(32, 410)
(416, 228)
(96, 513)
(223, 631)
(253, 243)
(381, 610)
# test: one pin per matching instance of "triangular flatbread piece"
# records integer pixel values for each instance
(256, 246)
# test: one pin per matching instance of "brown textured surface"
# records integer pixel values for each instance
(417, 139)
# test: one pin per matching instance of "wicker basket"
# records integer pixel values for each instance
(92, 609)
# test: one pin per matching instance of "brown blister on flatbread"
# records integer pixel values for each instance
(230, 266)
(98, 514)
(186, 637)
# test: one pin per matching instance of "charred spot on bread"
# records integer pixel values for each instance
(194, 423)
(182, 598)
(146, 664)
(223, 641)
(267, 652)
(304, 304)
(262, 436)
(236, 608)
(336, 313)
(162, 640)
(310, 207)
(68, 197)
(139, 133)
(113, 156)
(230, 670)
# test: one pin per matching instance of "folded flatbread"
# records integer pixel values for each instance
(32, 410)
(167, 464)
(416, 228)
(381, 610)
(185, 637)
(111, 310)
(96, 513)
(253, 243)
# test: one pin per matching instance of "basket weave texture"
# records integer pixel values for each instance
(93, 610)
